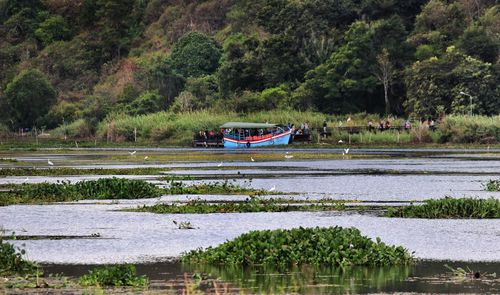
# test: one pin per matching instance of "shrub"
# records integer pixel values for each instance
(470, 129)
(113, 275)
(12, 262)
(316, 246)
(450, 208)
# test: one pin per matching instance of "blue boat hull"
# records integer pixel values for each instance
(280, 139)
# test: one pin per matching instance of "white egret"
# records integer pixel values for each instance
(346, 150)
(272, 189)
(132, 153)
(220, 164)
(146, 157)
(251, 159)
(341, 141)
(50, 162)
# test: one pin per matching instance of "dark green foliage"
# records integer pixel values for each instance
(323, 54)
(113, 275)
(452, 73)
(160, 75)
(104, 188)
(476, 42)
(344, 81)
(317, 246)
(450, 208)
(147, 102)
(492, 186)
(195, 54)
(54, 28)
(12, 261)
(29, 97)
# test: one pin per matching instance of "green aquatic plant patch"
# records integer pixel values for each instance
(176, 187)
(492, 185)
(450, 208)
(333, 246)
(113, 275)
(104, 188)
(84, 171)
(250, 205)
(12, 261)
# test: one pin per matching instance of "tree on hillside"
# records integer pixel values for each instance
(437, 85)
(476, 42)
(29, 97)
(343, 83)
(195, 54)
(54, 28)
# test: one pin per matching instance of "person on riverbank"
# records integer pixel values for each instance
(407, 125)
(325, 124)
(370, 126)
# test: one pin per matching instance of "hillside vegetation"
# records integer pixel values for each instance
(90, 63)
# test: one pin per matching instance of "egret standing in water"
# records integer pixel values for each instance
(50, 162)
(272, 189)
(220, 164)
(132, 153)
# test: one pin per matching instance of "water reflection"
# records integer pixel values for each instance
(307, 279)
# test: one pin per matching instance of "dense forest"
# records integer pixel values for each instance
(67, 60)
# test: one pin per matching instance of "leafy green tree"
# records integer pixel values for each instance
(147, 102)
(275, 97)
(195, 54)
(476, 42)
(240, 69)
(439, 24)
(54, 28)
(29, 97)
(343, 83)
(443, 85)
(161, 76)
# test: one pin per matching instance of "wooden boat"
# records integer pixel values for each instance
(247, 135)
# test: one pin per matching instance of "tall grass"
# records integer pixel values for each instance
(181, 127)
(470, 129)
(76, 129)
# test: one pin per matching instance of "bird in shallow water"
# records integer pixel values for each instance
(50, 162)
(132, 153)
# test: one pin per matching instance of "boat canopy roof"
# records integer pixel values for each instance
(246, 125)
